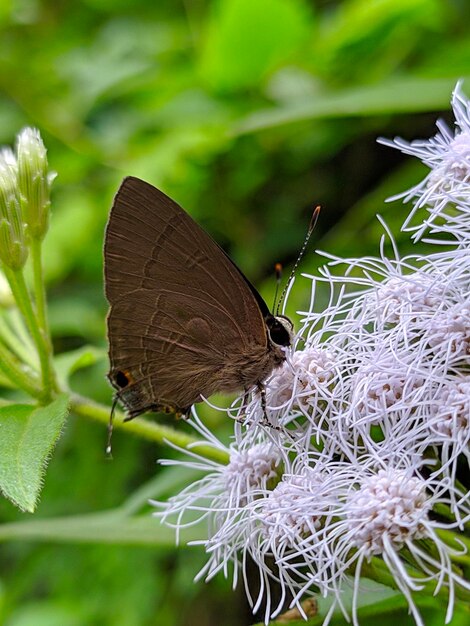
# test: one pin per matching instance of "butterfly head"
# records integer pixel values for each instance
(280, 331)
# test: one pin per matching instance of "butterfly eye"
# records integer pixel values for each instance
(278, 332)
(122, 379)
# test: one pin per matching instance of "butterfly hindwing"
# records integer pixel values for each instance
(184, 321)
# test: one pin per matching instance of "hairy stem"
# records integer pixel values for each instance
(12, 369)
(41, 308)
(41, 340)
(15, 343)
(145, 428)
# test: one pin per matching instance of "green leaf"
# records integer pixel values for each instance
(28, 435)
(404, 95)
(247, 39)
(167, 482)
(45, 612)
(116, 526)
(386, 612)
(78, 215)
(97, 528)
(69, 362)
(378, 35)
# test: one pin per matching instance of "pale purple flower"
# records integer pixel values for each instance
(305, 375)
(449, 333)
(445, 192)
(449, 433)
(220, 497)
(387, 509)
(450, 420)
(406, 296)
(357, 458)
(289, 528)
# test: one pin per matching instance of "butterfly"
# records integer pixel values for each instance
(184, 322)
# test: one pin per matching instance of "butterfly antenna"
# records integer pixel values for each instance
(311, 226)
(278, 272)
(109, 448)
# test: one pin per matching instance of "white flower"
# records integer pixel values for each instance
(451, 413)
(221, 496)
(284, 518)
(284, 522)
(357, 468)
(304, 379)
(445, 192)
(227, 487)
(449, 333)
(388, 507)
(449, 433)
(250, 468)
(382, 388)
(387, 513)
(403, 297)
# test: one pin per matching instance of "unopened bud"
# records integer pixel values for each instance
(6, 297)
(13, 248)
(34, 181)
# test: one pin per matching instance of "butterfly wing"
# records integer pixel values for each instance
(184, 322)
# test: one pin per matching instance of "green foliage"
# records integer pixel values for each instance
(70, 362)
(248, 113)
(380, 606)
(380, 35)
(120, 525)
(28, 437)
(265, 34)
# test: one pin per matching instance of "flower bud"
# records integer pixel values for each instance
(34, 181)
(13, 248)
(8, 160)
(6, 297)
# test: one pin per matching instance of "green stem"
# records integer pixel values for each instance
(6, 382)
(23, 301)
(455, 540)
(445, 511)
(19, 328)
(377, 570)
(146, 429)
(12, 369)
(39, 286)
(41, 307)
(14, 343)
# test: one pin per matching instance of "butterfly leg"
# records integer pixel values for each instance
(184, 414)
(241, 414)
(262, 393)
(246, 397)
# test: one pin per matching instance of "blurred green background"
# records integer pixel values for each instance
(248, 113)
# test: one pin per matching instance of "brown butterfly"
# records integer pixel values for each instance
(184, 322)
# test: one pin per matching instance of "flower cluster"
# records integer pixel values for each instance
(24, 197)
(361, 475)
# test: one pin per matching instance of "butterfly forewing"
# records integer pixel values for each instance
(184, 321)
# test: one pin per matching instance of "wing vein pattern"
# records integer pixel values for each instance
(182, 315)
